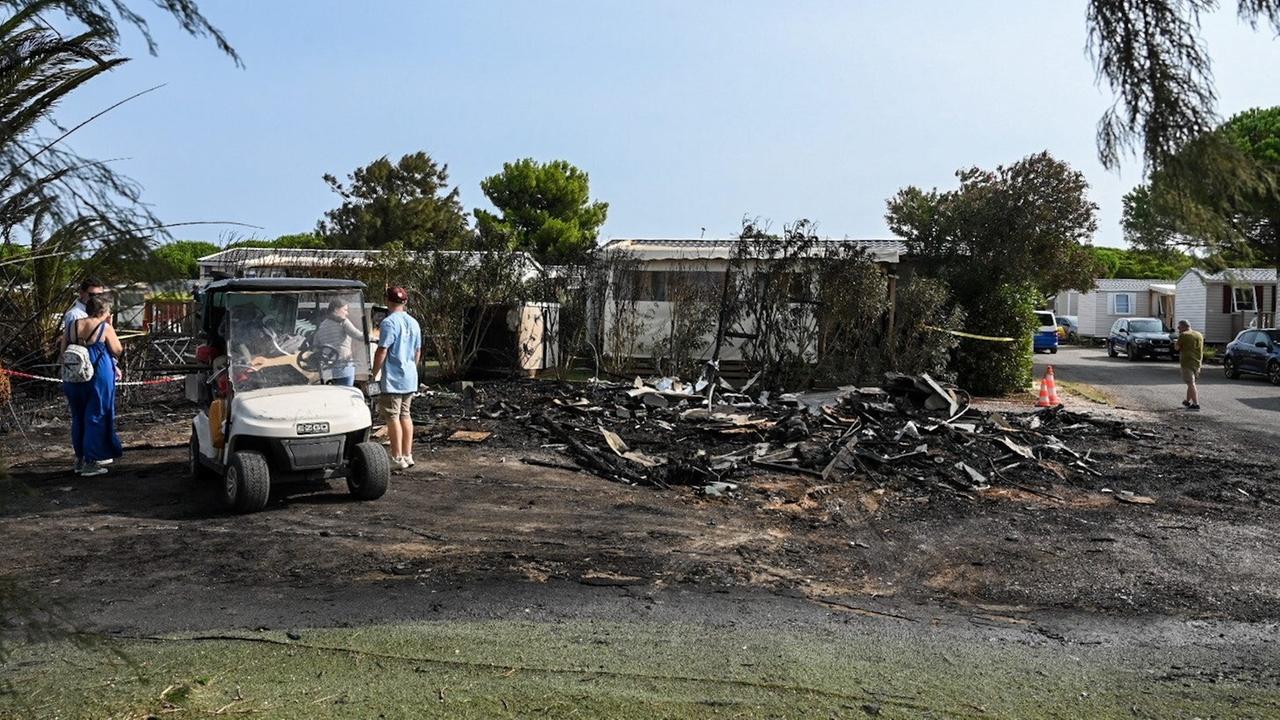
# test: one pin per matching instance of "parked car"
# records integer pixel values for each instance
(1256, 352)
(1136, 338)
(1068, 328)
(1046, 337)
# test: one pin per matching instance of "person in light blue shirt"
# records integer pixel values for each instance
(399, 350)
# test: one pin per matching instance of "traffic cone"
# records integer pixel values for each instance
(1048, 390)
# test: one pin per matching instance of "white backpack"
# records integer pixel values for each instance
(77, 366)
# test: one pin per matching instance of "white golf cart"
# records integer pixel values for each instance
(274, 405)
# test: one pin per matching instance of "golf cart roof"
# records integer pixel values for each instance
(281, 284)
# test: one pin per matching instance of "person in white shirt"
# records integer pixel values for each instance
(88, 288)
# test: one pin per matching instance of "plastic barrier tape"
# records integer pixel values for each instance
(153, 381)
(988, 338)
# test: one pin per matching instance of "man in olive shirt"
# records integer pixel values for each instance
(1191, 354)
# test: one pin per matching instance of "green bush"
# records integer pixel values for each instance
(853, 300)
(924, 303)
(985, 367)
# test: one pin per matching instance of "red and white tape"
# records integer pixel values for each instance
(42, 378)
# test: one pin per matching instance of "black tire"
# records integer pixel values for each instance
(199, 474)
(370, 472)
(1111, 349)
(1131, 353)
(1053, 351)
(246, 486)
(1273, 372)
(1229, 368)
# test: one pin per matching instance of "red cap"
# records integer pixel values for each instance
(397, 296)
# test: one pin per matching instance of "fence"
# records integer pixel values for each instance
(169, 339)
(169, 317)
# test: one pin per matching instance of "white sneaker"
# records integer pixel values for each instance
(408, 459)
(91, 469)
(399, 463)
(108, 461)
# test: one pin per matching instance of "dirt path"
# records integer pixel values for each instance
(474, 534)
(143, 549)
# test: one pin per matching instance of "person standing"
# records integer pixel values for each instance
(93, 403)
(336, 332)
(399, 350)
(1191, 357)
(89, 287)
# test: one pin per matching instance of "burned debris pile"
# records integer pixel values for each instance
(910, 429)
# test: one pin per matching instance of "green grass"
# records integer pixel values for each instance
(505, 669)
(1089, 392)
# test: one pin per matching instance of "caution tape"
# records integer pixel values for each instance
(42, 378)
(972, 336)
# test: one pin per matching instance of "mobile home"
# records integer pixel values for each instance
(1222, 304)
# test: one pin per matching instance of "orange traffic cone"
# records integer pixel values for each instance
(1048, 390)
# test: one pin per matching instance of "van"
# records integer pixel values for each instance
(1046, 337)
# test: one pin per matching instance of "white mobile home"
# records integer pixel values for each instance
(308, 262)
(1222, 304)
(665, 264)
(1114, 298)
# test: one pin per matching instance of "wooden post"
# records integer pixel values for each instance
(891, 335)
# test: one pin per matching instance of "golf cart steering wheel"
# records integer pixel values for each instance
(327, 356)
(319, 358)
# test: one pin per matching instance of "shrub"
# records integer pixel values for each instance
(985, 367)
(923, 304)
(853, 301)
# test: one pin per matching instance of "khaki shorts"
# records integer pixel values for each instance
(394, 405)
(1190, 376)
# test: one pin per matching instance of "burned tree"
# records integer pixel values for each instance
(692, 295)
(772, 311)
(446, 288)
(625, 316)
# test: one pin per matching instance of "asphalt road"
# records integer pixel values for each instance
(1249, 405)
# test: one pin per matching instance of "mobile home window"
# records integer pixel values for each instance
(1243, 298)
(670, 286)
(1122, 303)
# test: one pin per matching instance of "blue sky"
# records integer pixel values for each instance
(686, 115)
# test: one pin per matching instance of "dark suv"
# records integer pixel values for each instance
(1139, 337)
(1256, 352)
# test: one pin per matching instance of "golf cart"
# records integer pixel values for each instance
(274, 406)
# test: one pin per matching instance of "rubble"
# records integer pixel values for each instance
(911, 429)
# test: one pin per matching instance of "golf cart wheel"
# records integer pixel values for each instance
(247, 482)
(370, 472)
(198, 472)
(1273, 372)
(1053, 351)
(1229, 368)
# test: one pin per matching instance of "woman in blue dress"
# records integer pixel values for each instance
(93, 403)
